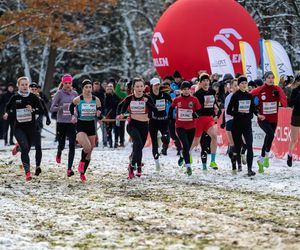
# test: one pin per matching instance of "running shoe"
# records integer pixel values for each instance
(16, 149)
(189, 171)
(38, 170)
(243, 158)
(260, 167)
(204, 167)
(180, 161)
(28, 176)
(266, 162)
(130, 172)
(70, 172)
(81, 167)
(83, 178)
(240, 168)
(164, 151)
(214, 165)
(139, 172)
(58, 159)
(290, 161)
(251, 173)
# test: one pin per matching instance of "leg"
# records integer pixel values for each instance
(122, 132)
(5, 131)
(248, 137)
(153, 129)
(38, 148)
(11, 132)
(237, 139)
(71, 132)
(173, 135)
(61, 137)
(92, 140)
(184, 139)
(109, 133)
(269, 130)
(165, 138)
(137, 144)
(25, 145)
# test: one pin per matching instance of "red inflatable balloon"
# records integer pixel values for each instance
(188, 27)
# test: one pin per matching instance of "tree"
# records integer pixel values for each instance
(54, 24)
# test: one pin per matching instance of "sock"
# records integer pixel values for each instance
(213, 157)
(58, 153)
(267, 154)
(204, 165)
(83, 155)
(188, 165)
(261, 159)
(87, 162)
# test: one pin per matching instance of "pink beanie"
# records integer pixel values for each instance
(66, 78)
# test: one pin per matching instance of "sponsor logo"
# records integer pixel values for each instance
(157, 38)
(190, 104)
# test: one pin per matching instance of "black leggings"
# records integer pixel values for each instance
(186, 137)
(173, 135)
(243, 128)
(154, 127)
(269, 128)
(63, 130)
(24, 138)
(9, 123)
(205, 146)
(138, 132)
(37, 141)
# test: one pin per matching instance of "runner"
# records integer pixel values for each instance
(24, 105)
(65, 126)
(160, 121)
(188, 108)
(269, 97)
(295, 123)
(207, 121)
(242, 108)
(88, 108)
(138, 105)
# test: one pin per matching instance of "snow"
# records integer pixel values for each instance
(166, 209)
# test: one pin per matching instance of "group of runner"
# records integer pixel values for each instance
(185, 112)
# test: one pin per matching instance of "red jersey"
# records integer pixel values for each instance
(268, 103)
(186, 106)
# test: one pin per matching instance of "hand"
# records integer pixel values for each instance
(48, 122)
(275, 93)
(216, 119)
(29, 108)
(120, 117)
(73, 119)
(98, 113)
(222, 125)
(5, 116)
(261, 117)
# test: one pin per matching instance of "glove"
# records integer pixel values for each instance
(275, 93)
(48, 122)
(222, 125)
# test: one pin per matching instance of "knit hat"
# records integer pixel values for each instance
(185, 84)
(227, 77)
(177, 74)
(33, 85)
(66, 78)
(258, 82)
(203, 77)
(242, 79)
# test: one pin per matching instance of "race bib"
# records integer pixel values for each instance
(269, 108)
(24, 115)
(244, 106)
(66, 111)
(160, 104)
(209, 101)
(88, 109)
(185, 115)
(137, 107)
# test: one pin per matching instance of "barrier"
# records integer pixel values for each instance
(280, 143)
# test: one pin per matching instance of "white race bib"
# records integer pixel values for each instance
(244, 106)
(209, 101)
(88, 109)
(185, 114)
(160, 104)
(269, 108)
(137, 107)
(66, 111)
(24, 115)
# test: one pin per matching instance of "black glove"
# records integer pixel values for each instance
(48, 122)
(222, 125)
(275, 93)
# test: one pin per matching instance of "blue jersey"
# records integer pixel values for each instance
(87, 110)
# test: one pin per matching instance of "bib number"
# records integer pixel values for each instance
(24, 115)
(209, 101)
(185, 115)
(66, 111)
(88, 109)
(244, 106)
(137, 107)
(269, 108)
(160, 104)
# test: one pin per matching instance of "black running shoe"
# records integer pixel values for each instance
(251, 173)
(290, 161)
(240, 168)
(38, 170)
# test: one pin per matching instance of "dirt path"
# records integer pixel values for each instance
(154, 212)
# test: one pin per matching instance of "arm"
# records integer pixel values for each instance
(282, 97)
(255, 92)
(74, 104)
(38, 107)
(230, 109)
(124, 105)
(150, 105)
(294, 97)
(54, 106)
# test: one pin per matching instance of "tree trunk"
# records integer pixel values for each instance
(50, 71)
(44, 63)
